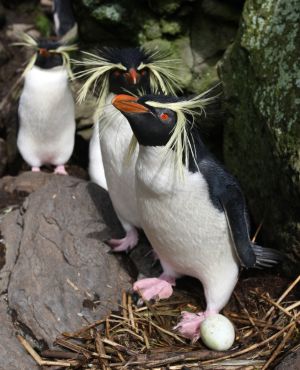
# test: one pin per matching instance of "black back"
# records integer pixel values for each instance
(64, 13)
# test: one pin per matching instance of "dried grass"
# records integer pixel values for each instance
(142, 337)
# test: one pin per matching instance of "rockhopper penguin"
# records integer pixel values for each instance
(46, 108)
(191, 209)
(113, 71)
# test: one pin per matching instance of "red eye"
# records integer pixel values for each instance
(117, 73)
(143, 72)
(164, 116)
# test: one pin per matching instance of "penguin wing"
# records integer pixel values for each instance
(233, 204)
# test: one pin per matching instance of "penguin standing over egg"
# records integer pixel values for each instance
(46, 108)
(191, 209)
(114, 71)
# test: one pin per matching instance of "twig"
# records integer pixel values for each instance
(37, 357)
(258, 230)
(118, 346)
(124, 304)
(279, 347)
(285, 293)
(131, 317)
(280, 307)
(101, 351)
(30, 350)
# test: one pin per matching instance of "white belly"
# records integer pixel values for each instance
(119, 172)
(47, 117)
(183, 226)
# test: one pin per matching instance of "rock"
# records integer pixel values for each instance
(261, 81)
(194, 35)
(3, 156)
(291, 361)
(58, 270)
(4, 55)
(26, 182)
(2, 16)
(12, 355)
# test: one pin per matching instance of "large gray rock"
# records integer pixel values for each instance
(12, 355)
(261, 80)
(58, 270)
(3, 156)
(290, 362)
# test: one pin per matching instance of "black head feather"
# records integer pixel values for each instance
(128, 57)
(46, 59)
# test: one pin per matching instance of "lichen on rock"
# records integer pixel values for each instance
(261, 78)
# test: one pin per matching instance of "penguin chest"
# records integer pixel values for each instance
(47, 117)
(184, 227)
(119, 170)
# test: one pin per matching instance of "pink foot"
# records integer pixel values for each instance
(125, 244)
(189, 325)
(60, 170)
(155, 288)
(35, 169)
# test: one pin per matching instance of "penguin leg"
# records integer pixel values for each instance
(60, 170)
(157, 288)
(35, 169)
(125, 244)
(217, 293)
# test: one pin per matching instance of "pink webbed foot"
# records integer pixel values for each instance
(189, 325)
(154, 288)
(125, 244)
(35, 169)
(60, 170)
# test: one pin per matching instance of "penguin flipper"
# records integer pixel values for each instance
(233, 204)
(249, 254)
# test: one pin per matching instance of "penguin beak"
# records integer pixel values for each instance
(132, 76)
(44, 52)
(128, 104)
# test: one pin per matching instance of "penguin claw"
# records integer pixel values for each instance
(124, 244)
(153, 288)
(60, 170)
(35, 169)
(189, 325)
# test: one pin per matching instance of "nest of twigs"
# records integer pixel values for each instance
(142, 337)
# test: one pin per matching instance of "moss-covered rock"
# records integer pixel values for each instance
(189, 31)
(262, 138)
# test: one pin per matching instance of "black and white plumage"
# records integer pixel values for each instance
(65, 25)
(191, 209)
(113, 71)
(46, 108)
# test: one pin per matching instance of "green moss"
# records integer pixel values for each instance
(165, 6)
(170, 27)
(112, 13)
(260, 73)
(43, 25)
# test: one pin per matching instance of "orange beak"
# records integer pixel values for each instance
(128, 104)
(44, 52)
(132, 76)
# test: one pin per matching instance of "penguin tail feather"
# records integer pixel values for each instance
(266, 257)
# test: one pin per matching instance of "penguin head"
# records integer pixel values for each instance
(167, 121)
(46, 55)
(130, 70)
(152, 126)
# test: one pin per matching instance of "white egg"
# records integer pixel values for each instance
(217, 332)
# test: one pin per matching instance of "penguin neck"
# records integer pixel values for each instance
(38, 79)
(156, 170)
